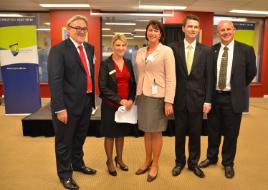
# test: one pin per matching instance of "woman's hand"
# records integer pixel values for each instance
(168, 108)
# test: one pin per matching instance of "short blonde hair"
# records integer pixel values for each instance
(121, 37)
(77, 17)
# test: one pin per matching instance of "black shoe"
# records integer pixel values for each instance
(176, 170)
(111, 172)
(121, 166)
(205, 163)
(69, 183)
(85, 170)
(151, 178)
(197, 171)
(142, 171)
(229, 172)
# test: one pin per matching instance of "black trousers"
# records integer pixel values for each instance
(222, 119)
(191, 123)
(69, 140)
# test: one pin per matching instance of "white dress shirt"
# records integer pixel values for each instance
(229, 65)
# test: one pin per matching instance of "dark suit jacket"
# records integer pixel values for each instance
(243, 71)
(107, 81)
(67, 77)
(193, 90)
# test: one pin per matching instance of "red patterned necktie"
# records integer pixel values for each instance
(84, 61)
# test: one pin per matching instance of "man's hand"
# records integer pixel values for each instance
(62, 116)
(206, 108)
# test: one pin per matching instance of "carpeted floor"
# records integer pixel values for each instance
(29, 163)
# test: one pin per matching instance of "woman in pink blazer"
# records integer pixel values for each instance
(156, 82)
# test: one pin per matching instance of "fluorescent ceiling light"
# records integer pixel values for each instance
(47, 23)
(139, 36)
(161, 7)
(106, 29)
(139, 30)
(121, 23)
(217, 19)
(10, 15)
(65, 5)
(125, 33)
(132, 14)
(142, 20)
(107, 35)
(43, 29)
(249, 12)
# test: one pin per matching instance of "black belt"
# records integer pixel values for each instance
(223, 92)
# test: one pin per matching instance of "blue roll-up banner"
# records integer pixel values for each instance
(19, 64)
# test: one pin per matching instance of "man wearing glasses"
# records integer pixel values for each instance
(71, 82)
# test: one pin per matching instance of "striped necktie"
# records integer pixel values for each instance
(223, 69)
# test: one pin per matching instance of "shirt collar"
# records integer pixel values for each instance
(230, 45)
(186, 44)
(75, 43)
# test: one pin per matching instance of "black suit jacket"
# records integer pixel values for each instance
(67, 77)
(108, 84)
(193, 90)
(242, 73)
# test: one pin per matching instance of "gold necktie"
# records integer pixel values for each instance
(189, 59)
(223, 69)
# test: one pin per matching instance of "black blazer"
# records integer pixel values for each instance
(67, 77)
(242, 73)
(193, 90)
(107, 81)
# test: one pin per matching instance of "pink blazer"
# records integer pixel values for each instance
(158, 69)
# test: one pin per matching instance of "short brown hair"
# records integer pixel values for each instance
(190, 17)
(77, 17)
(156, 25)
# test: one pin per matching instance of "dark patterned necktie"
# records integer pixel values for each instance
(223, 69)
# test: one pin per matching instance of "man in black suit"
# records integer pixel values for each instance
(193, 95)
(234, 66)
(71, 82)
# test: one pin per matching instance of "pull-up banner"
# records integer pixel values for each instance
(19, 64)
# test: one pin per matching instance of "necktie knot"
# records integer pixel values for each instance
(225, 48)
(189, 47)
(80, 47)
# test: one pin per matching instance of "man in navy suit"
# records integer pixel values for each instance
(71, 82)
(193, 95)
(234, 66)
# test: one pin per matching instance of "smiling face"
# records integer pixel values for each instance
(226, 32)
(191, 30)
(78, 30)
(119, 48)
(153, 34)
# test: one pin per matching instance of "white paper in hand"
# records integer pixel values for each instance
(126, 116)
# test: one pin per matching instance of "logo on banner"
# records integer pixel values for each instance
(14, 48)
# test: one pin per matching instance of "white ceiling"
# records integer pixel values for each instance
(219, 7)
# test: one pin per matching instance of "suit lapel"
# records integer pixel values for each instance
(235, 53)
(215, 57)
(75, 52)
(111, 69)
(182, 54)
(196, 56)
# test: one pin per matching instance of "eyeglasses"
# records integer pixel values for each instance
(79, 29)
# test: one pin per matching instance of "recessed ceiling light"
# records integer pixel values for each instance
(121, 23)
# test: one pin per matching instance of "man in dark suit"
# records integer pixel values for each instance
(234, 66)
(193, 95)
(71, 82)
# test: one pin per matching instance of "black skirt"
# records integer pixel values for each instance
(109, 127)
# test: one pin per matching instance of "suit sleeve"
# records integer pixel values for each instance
(105, 91)
(55, 67)
(209, 75)
(170, 76)
(251, 69)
